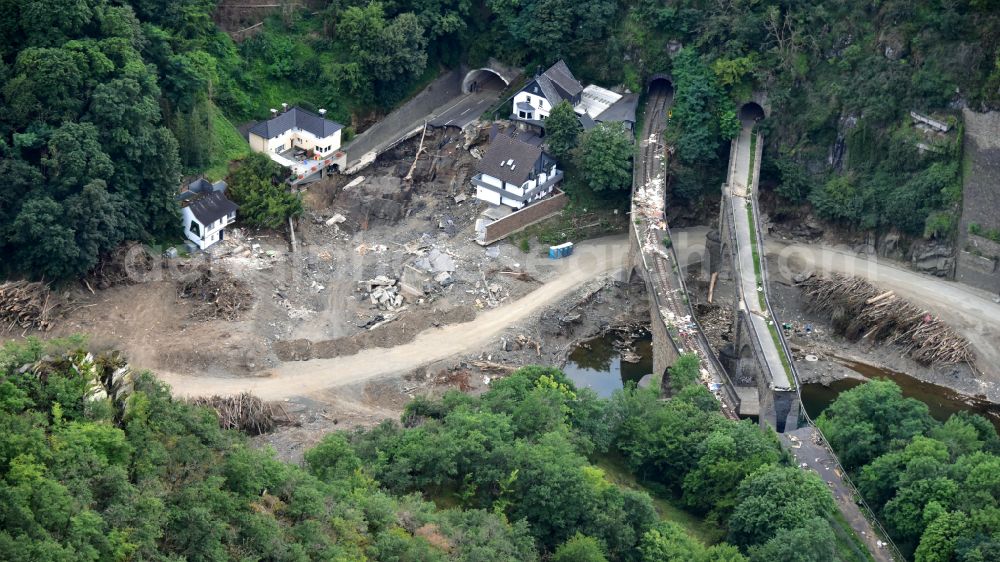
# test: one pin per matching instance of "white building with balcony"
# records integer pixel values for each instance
(515, 173)
(300, 140)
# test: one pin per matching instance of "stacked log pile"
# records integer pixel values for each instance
(860, 310)
(27, 305)
(220, 294)
(243, 412)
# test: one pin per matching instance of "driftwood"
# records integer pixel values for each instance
(220, 295)
(244, 412)
(860, 310)
(26, 305)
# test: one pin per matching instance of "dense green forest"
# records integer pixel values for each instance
(104, 104)
(935, 486)
(510, 475)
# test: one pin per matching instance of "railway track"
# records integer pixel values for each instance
(670, 294)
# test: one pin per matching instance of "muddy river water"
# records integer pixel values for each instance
(598, 364)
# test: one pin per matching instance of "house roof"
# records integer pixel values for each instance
(212, 207)
(509, 159)
(586, 122)
(299, 118)
(525, 106)
(621, 110)
(558, 83)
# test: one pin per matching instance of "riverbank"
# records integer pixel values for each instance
(824, 357)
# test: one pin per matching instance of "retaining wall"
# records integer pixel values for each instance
(519, 220)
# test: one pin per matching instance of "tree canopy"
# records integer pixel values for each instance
(934, 485)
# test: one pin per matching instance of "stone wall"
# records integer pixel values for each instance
(978, 257)
(519, 220)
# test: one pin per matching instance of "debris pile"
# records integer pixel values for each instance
(128, 264)
(244, 412)
(220, 295)
(383, 292)
(26, 305)
(860, 310)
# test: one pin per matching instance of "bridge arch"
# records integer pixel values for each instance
(751, 111)
(484, 79)
(746, 371)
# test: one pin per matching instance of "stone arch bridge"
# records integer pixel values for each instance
(758, 377)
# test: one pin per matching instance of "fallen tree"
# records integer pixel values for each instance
(860, 310)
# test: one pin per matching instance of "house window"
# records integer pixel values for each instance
(539, 102)
(195, 229)
(232, 216)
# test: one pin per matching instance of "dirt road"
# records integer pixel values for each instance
(591, 259)
(970, 311)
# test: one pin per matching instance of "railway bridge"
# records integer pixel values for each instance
(759, 377)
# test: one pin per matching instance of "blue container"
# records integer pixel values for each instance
(561, 251)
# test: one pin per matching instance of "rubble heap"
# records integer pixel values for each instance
(383, 292)
(220, 295)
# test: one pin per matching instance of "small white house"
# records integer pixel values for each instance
(206, 216)
(300, 140)
(515, 173)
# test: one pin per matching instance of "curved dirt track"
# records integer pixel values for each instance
(971, 312)
(591, 259)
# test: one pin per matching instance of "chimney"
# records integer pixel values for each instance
(274, 112)
(284, 107)
(322, 113)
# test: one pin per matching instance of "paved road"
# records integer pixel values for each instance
(441, 98)
(465, 109)
(818, 458)
(591, 259)
(737, 193)
(441, 92)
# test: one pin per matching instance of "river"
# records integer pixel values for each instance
(598, 365)
(941, 401)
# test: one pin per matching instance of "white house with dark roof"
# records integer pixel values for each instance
(206, 215)
(300, 140)
(534, 102)
(515, 173)
(592, 104)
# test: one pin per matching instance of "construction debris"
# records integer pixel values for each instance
(383, 292)
(436, 261)
(860, 310)
(244, 412)
(220, 295)
(26, 305)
